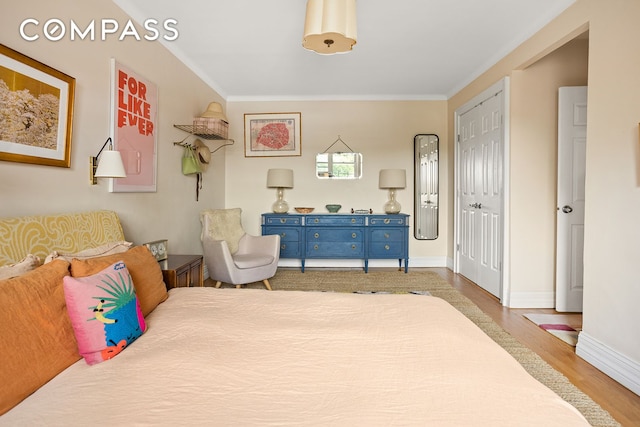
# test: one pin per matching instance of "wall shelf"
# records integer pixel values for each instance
(201, 131)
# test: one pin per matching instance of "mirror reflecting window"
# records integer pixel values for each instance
(426, 186)
(339, 165)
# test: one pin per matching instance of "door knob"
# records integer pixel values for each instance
(475, 205)
(567, 209)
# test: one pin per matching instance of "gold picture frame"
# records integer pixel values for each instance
(37, 124)
(272, 135)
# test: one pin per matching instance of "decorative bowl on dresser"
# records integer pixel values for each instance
(304, 210)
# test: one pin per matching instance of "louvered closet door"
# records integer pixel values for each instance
(481, 186)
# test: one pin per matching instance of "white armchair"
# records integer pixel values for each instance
(233, 256)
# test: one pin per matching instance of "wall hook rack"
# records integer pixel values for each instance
(183, 143)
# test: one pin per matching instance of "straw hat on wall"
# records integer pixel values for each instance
(203, 153)
(214, 111)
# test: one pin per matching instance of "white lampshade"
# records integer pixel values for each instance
(392, 178)
(280, 178)
(110, 165)
(330, 26)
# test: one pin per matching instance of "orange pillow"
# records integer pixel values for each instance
(36, 336)
(143, 267)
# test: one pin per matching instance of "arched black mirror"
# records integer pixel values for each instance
(426, 186)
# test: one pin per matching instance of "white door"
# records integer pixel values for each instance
(572, 144)
(481, 194)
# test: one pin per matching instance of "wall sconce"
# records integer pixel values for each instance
(392, 179)
(280, 179)
(110, 165)
(330, 26)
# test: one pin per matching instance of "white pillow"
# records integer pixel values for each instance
(30, 262)
(106, 249)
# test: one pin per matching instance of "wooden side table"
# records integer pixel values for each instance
(180, 271)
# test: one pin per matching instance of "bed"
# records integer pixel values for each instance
(251, 357)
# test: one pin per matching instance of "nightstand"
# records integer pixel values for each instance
(179, 271)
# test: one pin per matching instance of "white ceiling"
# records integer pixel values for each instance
(406, 49)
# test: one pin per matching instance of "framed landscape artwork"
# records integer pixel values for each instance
(272, 135)
(36, 111)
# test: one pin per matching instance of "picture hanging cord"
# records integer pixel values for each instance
(334, 143)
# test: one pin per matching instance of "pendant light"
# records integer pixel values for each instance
(330, 26)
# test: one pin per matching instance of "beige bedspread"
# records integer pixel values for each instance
(241, 357)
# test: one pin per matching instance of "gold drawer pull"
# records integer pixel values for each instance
(283, 247)
(283, 220)
(283, 234)
(353, 247)
(387, 220)
(315, 247)
(353, 235)
(386, 247)
(316, 235)
(353, 220)
(386, 235)
(316, 220)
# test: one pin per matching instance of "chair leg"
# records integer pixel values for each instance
(238, 286)
(266, 284)
(218, 284)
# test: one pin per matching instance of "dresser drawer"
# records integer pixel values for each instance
(388, 235)
(289, 240)
(391, 249)
(328, 220)
(287, 234)
(387, 220)
(328, 234)
(324, 249)
(282, 220)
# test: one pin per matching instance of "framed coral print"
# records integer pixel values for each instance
(134, 110)
(272, 135)
(36, 111)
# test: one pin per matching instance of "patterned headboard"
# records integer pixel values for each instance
(68, 233)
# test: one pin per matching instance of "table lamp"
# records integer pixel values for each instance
(280, 179)
(392, 179)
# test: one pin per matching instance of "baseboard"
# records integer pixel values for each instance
(532, 300)
(358, 263)
(616, 365)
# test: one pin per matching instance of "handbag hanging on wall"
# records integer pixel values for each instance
(191, 165)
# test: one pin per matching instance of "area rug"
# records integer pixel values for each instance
(563, 326)
(420, 281)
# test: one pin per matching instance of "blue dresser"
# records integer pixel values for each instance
(341, 236)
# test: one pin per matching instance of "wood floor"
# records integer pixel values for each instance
(622, 404)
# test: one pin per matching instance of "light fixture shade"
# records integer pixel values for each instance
(280, 178)
(392, 178)
(330, 26)
(110, 165)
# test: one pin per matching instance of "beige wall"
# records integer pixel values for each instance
(611, 255)
(382, 131)
(171, 212)
(533, 165)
